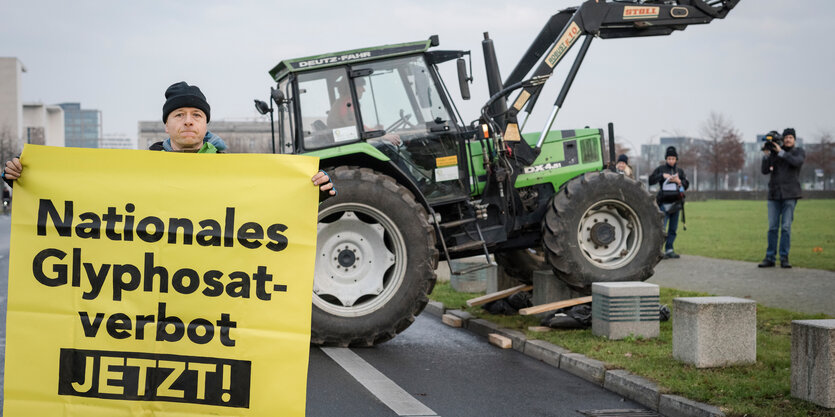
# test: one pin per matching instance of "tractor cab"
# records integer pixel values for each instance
(388, 98)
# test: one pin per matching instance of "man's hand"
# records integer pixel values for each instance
(393, 138)
(13, 169)
(777, 148)
(324, 183)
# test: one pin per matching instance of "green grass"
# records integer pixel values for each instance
(734, 229)
(762, 389)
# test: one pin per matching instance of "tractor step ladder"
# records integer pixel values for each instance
(456, 223)
(464, 246)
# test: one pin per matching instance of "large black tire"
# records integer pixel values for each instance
(602, 227)
(375, 260)
(521, 263)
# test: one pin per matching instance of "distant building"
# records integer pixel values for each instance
(116, 141)
(43, 124)
(11, 107)
(246, 136)
(82, 127)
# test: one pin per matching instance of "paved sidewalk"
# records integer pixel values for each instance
(797, 289)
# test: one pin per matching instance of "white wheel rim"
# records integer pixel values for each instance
(610, 234)
(360, 260)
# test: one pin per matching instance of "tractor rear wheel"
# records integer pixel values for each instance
(602, 227)
(375, 260)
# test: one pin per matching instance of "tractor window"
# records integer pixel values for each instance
(399, 95)
(327, 115)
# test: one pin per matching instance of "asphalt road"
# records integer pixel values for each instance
(429, 370)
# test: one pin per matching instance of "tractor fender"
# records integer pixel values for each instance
(379, 163)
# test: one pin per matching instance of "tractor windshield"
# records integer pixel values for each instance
(400, 98)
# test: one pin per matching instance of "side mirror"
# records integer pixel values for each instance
(463, 79)
(262, 107)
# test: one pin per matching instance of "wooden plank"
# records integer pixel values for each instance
(484, 299)
(554, 306)
(500, 341)
(539, 329)
(452, 321)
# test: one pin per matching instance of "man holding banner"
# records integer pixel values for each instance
(135, 289)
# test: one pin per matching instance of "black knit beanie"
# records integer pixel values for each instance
(789, 131)
(671, 151)
(183, 95)
(623, 158)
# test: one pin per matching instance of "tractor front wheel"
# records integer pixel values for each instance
(602, 227)
(375, 260)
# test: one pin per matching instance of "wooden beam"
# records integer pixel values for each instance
(484, 299)
(554, 306)
(502, 342)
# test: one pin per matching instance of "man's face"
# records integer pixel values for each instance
(186, 126)
(671, 160)
(788, 141)
(621, 165)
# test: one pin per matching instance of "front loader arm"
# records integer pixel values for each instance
(594, 18)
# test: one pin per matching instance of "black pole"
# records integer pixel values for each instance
(573, 72)
(272, 126)
(612, 146)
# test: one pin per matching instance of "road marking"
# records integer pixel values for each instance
(378, 384)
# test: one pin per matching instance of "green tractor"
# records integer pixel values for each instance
(417, 181)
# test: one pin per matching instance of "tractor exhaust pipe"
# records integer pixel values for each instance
(612, 146)
(494, 79)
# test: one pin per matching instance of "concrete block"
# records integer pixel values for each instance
(452, 321)
(442, 272)
(496, 339)
(813, 361)
(547, 288)
(714, 331)
(468, 283)
(544, 351)
(675, 406)
(621, 309)
(475, 281)
(435, 308)
(500, 281)
(589, 369)
(481, 327)
(633, 387)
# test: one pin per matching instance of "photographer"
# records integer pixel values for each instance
(670, 198)
(782, 160)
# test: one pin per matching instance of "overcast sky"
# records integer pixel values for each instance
(768, 65)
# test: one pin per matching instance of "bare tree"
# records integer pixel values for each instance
(822, 156)
(724, 152)
(621, 149)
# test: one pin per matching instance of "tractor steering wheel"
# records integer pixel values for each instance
(403, 121)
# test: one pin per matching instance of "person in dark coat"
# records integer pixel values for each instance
(783, 164)
(672, 183)
(623, 166)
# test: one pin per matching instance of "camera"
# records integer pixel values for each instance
(770, 139)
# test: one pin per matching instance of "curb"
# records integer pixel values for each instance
(621, 382)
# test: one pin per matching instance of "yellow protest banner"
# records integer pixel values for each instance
(159, 284)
